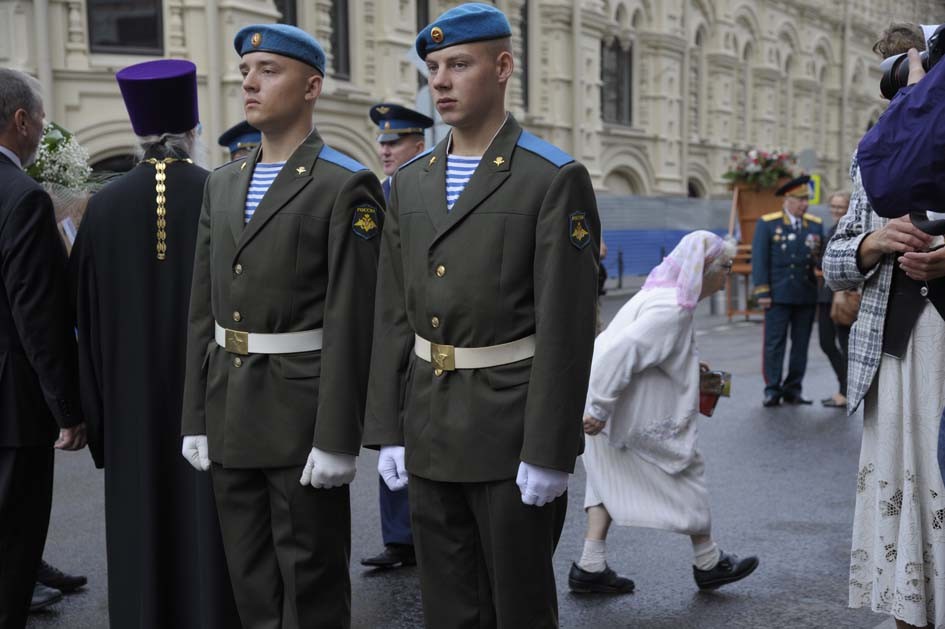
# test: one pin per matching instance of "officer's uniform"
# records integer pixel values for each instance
(783, 258)
(393, 123)
(240, 139)
(484, 333)
(281, 310)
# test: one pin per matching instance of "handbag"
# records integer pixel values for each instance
(712, 386)
(845, 307)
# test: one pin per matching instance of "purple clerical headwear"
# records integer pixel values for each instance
(161, 96)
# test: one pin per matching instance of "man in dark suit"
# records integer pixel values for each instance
(281, 316)
(131, 266)
(38, 375)
(399, 140)
(784, 254)
(484, 333)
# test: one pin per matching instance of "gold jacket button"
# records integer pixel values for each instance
(238, 269)
(437, 372)
(440, 271)
(237, 362)
(237, 316)
(435, 322)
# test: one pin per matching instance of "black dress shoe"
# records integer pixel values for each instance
(607, 582)
(392, 556)
(56, 578)
(729, 570)
(771, 399)
(796, 399)
(44, 597)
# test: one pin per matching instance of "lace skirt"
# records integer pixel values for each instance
(636, 492)
(897, 563)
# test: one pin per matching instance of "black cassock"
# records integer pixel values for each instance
(166, 567)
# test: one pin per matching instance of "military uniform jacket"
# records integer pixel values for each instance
(783, 258)
(306, 260)
(516, 256)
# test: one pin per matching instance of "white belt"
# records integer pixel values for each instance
(243, 343)
(449, 358)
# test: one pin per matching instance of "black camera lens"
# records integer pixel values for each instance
(896, 73)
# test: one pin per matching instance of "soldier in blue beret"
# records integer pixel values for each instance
(400, 139)
(240, 139)
(784, 254)
(484, 337)
(281, 317)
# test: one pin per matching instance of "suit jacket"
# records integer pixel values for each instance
(307, 259)
(783, 258)
(38, 364)
(517, 255)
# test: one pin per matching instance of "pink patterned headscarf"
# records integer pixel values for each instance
(685, 266)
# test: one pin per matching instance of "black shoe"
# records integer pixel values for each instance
(56, 578)
(796, 399)
(771, 399)
(729, 570)
(606, 582)
(44, 597)
(392, 556)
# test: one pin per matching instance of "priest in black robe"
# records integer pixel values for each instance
(131, 268)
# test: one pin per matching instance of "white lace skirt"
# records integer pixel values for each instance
(897, 563)
(636, 492)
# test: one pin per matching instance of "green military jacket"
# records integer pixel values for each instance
(517, 255)
(307, 259)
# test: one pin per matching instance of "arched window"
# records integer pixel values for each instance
(615, 91)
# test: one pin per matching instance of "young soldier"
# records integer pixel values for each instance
(281, 316)
(485, 330)
(400, 140)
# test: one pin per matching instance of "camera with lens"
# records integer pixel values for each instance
(896, 68)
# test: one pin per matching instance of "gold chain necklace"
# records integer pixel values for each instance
(160, 176)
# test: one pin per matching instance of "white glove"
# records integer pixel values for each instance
(540, 485)
(328, 469)
(196, 452)
(390, 465)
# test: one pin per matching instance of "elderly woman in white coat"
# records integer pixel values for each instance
(643, 467)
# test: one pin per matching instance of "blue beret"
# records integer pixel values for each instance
(240, 136)
(395, 121)
(470, 22)
(281, 39)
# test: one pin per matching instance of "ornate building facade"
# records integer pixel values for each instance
(652, 95)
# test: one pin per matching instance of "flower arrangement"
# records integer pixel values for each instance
(60, 159)
(761, 168)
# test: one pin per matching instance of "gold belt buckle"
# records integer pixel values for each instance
(443, 357)
(237, 342)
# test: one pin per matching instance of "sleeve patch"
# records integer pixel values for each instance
(577, 230)
(364, 222)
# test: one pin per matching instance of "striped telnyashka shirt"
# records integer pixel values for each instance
(263, 176)
(458, 172)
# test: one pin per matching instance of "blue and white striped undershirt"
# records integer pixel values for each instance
(263, 176)
(459, 170)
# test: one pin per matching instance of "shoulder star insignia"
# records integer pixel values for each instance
(300, 170)
(498, 161)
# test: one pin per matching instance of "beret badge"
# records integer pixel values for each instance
(256, 40)
(436, 34)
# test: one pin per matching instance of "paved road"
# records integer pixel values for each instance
(782, 483)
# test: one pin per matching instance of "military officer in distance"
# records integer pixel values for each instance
(784, 253)
(240, 139)
(279, 341)
(485, 324)
(400, 139)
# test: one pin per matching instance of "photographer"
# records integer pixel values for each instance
(897, 368)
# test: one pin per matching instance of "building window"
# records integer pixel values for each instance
(615, 91)
(126, 26)
(340, 39)
(523, 33)
(423, 18)
(289, 12)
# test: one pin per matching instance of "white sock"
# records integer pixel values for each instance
(706, 555)
(594, 558)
